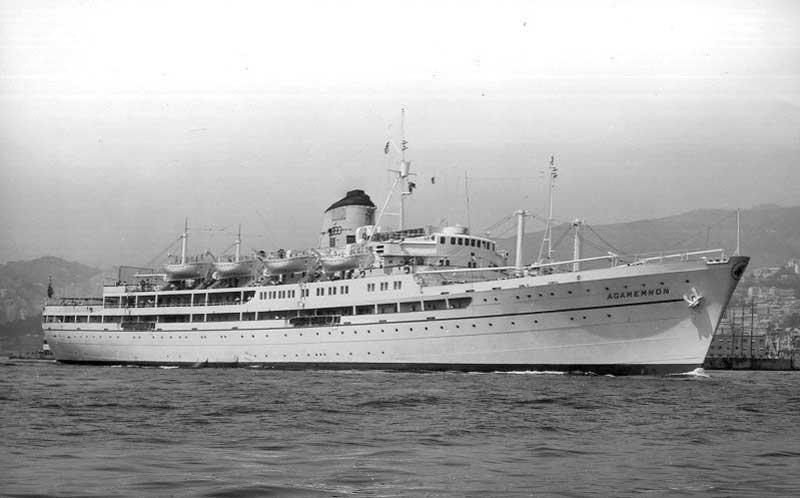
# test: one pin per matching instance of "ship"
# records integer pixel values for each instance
(422, 298)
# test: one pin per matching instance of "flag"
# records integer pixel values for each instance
(433, 180)
(386, 148)
(411, 187)
(552, 160)
(50, 287)
(404, 145)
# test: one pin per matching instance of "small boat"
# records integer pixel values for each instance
(283, 262)
(184, 271)
(353, 257)
(233, 269)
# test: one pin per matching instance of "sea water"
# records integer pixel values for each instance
(68, 430)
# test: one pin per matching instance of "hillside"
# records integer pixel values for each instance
(23, 290)
(769, 234)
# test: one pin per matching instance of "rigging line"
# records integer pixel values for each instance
(497, 224)
(706, 229)
(160, 254)
(561, 239)
(604, 241)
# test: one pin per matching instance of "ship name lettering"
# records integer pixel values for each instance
(661, 291)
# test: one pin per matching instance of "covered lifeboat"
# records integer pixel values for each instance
(282, 262)
(353, 256)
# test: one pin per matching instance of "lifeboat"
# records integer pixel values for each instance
(283, 262)
(233, 269)
(185, 271)
(352, 258)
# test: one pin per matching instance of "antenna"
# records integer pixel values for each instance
(548, 232)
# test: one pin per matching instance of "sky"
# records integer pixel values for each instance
(119, 119)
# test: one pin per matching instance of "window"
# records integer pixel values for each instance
(441, 240)
(371, 287)
(397, 285)
(384, 286)
(460, 241)
(435, 304)
(453, 240)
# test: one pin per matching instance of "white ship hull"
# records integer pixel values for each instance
(649, 318)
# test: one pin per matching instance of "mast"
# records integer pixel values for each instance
(239, 244)
(577, 224)
(737, 232)
(548, 232)
(520, 234)
(183, 240)
(405, 166)
(466, 194)
(406, 186)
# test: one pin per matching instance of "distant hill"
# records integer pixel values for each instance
(769, 234)
(23, 290)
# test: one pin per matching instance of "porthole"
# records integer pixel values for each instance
(458, 326)
(536, 321)
(355, 332)
(513, 323)
(572, 318)
(529, 296)
(584, 318)
(517, 297)
(608, 315)
(473, 325)
(569, 292)
(687, 281)
(490, 324)
(541, 295)
(644, 285)
(552, 294)
(495, 299)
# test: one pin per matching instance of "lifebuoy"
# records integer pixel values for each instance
(407, 269)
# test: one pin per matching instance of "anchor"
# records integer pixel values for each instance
(694, 299)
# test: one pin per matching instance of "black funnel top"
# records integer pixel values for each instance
(353, 198)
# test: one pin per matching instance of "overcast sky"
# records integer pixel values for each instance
(118, 119)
